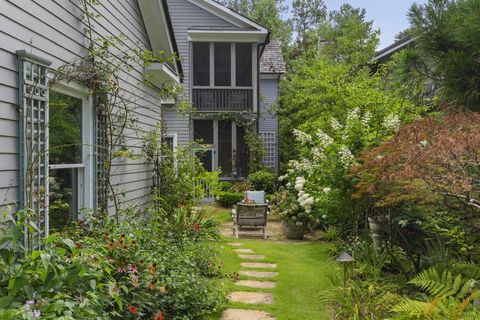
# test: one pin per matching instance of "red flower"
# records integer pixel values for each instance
(132, 309)
(197, 227)
(79, 245)
(121, 270)
(159, 316)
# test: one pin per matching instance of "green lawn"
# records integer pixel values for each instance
(303, 268)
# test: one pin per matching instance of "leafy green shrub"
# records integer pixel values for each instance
(225, 186)
(263, 180)
(241, 186)
(229, 199)
(103, 270)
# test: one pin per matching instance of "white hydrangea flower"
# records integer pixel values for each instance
(335, 124)
(366, 118)
(326, 190)
(346, 156)
(392, 122)
(423, 143)
(354, 114)
(324, 138)
(301, 136)
(318, 154)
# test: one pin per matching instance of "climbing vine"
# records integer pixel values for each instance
(102, 71)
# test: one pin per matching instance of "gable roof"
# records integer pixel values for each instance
(386, 53)
(229, 15)
(272, 58)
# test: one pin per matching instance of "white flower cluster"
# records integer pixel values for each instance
(353, 115)
(299, 183)
(366, 119)
(335, 124)
(324, 138)
(326, 190)
(392, 122)
(346, 156)
(402, 223)
(317, 154)
(281, 178)
(301, 136)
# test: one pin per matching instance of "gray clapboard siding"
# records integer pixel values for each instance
(185, 15)
(52, 29)
(268, 122)
(178, 124)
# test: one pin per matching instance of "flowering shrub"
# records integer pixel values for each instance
(135, 270)
(317, 180)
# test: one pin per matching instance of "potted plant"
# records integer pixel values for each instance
(293, 216)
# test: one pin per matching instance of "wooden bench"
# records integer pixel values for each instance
(250, 216)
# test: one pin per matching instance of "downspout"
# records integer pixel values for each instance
(260, 49)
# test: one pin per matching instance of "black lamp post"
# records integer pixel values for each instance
(344, 259)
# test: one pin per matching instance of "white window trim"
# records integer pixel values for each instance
(87, 167)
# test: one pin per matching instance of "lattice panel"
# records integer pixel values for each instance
(270, 145)
(33, 138)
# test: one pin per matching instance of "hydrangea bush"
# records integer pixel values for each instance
(317, 186)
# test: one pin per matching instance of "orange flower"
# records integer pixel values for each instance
(197, 227)
(159, 316)
(132, 309)
(163, 290)
(110, 246)
(153, 284)
(79, 245)
(152, 268)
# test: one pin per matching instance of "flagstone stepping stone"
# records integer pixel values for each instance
(252, 256)
(256, 284)
(234, 244)
(258, 274)
(244, 251)
(251, 297)
(244, 314)
(259, 265)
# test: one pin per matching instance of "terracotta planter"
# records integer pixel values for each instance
(292, 231)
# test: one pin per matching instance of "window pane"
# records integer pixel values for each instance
(206, 158)
(225, 147)
(222, 64)
(203, 131)
(168, 141)
(63, 197)
(201, 64)
(65, 129)
(243, 64)
(242, 153)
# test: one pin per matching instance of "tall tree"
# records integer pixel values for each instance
(448, 48)
(307, 15)
(268, 13)
(347, 36)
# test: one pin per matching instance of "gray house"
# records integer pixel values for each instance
(37, 38)
(231, 75)
(222, 70)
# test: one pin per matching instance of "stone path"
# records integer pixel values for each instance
(250, 298)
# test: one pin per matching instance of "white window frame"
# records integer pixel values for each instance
(86, 169)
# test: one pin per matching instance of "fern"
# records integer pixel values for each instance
(451, 297)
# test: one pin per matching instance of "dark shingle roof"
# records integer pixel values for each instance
(272, 59)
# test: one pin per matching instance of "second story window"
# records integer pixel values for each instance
(243, 64)
(223, 64)
(201, 64)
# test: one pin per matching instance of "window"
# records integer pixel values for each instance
(242, 153)
(243, 64)
(225, 147)
(70, 139)
(201, 64)
(203, 131)
(170, 143)
(223, 64)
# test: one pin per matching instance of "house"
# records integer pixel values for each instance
(387, 53)
(40, 167)
(53, 134)
(231, 75)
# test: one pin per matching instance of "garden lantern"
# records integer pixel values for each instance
(345, 259)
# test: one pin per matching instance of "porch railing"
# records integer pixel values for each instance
(222, 99)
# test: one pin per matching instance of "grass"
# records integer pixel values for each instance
(303, 269)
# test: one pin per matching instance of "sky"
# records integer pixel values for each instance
(388, 15)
